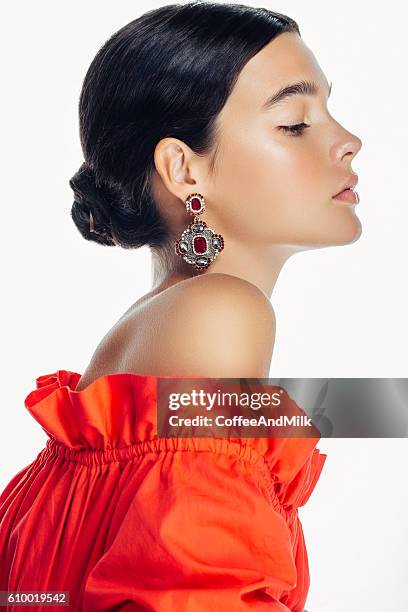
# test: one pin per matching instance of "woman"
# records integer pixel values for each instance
(206, 136)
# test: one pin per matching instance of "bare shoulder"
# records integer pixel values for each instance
(225, 291)
(219, 325)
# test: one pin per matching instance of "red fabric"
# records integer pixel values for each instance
(125, 520)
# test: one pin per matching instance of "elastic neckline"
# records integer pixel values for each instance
(117, 414)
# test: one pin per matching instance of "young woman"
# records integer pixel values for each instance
(206, 136)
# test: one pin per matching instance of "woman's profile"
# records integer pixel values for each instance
(206, 136)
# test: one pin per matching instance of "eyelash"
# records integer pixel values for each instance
(294, 130)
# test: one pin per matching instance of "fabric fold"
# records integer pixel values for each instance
(120, 410)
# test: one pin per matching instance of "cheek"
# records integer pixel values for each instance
(264, 184)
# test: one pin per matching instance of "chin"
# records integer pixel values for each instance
(344, 227)
(350, 230)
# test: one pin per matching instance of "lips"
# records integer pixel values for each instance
(349, 183)
(347, 193)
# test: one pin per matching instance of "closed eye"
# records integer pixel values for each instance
(294, 130)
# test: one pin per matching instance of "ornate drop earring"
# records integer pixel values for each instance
(198, 245)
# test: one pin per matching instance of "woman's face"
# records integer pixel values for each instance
(271, 186)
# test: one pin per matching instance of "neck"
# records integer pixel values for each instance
(257, 264)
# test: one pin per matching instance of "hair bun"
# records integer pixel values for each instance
(93, 199)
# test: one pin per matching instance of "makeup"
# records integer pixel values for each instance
(347, 193)
(349, 196)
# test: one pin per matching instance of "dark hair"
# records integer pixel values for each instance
(167, 73)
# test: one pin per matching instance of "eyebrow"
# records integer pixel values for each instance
(301, 88)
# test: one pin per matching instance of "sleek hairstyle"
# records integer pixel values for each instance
(166, 74)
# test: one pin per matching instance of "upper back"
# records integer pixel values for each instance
(215, 325)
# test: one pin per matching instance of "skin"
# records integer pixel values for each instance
(269, 195)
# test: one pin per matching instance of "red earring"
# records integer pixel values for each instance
(198, 245)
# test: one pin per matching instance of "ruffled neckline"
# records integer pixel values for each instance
(117, 413)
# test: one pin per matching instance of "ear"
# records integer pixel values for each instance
(174, 162)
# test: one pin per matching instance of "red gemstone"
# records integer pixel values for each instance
(200, 244)
(195, 204)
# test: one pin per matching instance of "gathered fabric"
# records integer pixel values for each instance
(123, 519)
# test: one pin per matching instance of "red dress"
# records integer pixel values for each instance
(125, 520)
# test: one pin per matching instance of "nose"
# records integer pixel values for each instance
(349, 146)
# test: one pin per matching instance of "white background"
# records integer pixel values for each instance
(341, 311)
